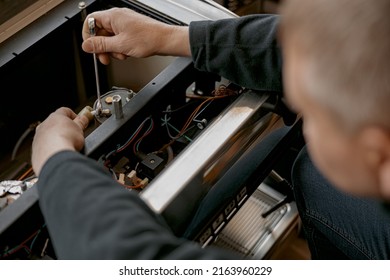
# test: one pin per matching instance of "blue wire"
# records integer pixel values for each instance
(130, 139)
(146, 132)
(35, 238)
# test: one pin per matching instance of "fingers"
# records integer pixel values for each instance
(82, 121)
(119, 56)
(88, 45)
(61, 130)
(84, 117)
(66, 112)
(104, 58)
(101, 41)
(103, 46)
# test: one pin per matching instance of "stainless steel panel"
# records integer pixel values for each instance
(176, 191)
(253, 236)
(189, 10)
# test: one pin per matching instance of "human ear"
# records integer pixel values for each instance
(384, 179)
(375, 145)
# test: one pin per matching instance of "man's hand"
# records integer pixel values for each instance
(62, 130)
(122, 33)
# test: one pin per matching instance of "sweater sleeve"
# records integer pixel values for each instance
(91, 216)
(243, 50)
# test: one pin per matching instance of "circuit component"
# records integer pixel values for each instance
(114, 100)
(117, 101)
(122, 166)
(108, 99)
(136, 180)
(132, 181)
(151, 165)
(143, 154)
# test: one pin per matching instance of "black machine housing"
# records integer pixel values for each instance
(217, 153)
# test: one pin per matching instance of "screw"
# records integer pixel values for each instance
(82, 6)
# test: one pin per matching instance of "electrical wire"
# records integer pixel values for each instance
(221, 92)
(139, 186)
(204, 108)
(168, 124)
(20, 246)
(128, 142)
(30, 129)
(132, 137)
(25, 174)
(170, 154)
(179, 108)
(165, 123)
(187, 123)
(191, 117)
(147, 132)
(32, 177)
(36, 236)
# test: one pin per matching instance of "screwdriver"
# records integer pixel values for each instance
(92, 32)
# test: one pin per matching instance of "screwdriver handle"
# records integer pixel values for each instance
(91, 26)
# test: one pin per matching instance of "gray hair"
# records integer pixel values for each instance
(347, 46)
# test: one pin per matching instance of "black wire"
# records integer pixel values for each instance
(181, 107)
(288, 198)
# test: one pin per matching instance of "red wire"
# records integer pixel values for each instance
(143, 136)
(20, 246)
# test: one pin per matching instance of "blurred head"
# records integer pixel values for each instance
(337, 76)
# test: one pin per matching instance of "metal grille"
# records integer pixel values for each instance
(248, 230)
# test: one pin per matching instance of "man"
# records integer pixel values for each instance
(326, 46)
(336, 77)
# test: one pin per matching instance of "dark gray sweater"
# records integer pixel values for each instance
(243, 50)
(91, 216)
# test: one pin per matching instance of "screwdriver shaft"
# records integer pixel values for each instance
(99, 103)
(92, 31)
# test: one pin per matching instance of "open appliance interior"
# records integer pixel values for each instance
(190, 143)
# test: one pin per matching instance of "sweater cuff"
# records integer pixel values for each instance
(198, 41)
(54, 162)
